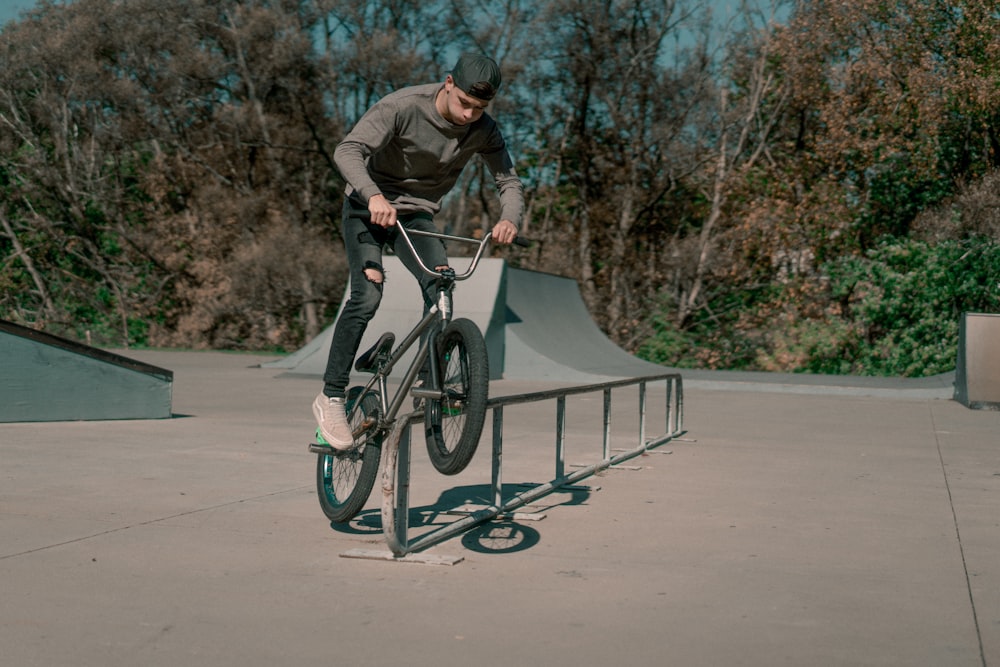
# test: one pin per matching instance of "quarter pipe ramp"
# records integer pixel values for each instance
(536, 326)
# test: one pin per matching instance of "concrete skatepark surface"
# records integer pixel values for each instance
(793, 524)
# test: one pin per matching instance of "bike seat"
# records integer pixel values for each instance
(379, 352)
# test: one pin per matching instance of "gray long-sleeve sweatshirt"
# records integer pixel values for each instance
(404, 149)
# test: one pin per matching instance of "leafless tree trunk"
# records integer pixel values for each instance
(48, 308)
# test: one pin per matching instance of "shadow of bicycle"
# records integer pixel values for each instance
(498, 536)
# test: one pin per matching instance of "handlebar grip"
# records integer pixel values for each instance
(523, 242)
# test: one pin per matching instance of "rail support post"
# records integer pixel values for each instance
(498, 456)
(396, 488)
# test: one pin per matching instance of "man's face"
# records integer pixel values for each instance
(460, 108)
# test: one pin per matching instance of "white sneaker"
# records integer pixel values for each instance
(332, 420)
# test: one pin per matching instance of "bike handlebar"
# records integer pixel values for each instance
(444, 237)
(405, 233)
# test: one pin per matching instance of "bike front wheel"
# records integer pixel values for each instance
(344, 480)
(454, 422)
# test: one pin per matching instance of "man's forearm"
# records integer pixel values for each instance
(350, 160)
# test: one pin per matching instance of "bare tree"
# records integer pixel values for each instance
(751, 102)
(619, 102)
(152, 143)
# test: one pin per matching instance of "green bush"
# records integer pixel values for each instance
(905, 298)
(892, 312)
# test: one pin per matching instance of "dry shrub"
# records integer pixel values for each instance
(275, 291)
(974, 211)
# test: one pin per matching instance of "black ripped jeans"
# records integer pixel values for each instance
(365, 242)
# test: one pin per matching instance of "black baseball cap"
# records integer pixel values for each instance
(477, 76)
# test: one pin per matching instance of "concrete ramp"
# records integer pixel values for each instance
(48, 378)
(536, 326)
(480, 299)
(551, 335)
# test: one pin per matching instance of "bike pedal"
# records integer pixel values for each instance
(317, 448)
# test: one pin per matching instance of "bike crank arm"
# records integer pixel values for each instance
(427, 393)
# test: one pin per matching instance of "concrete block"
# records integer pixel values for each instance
(977, 374)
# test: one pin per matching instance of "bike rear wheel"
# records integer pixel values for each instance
(344, 480)
(454, 423)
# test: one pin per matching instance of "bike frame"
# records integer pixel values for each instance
(440, 315)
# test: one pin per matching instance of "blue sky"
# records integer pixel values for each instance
(9, 9)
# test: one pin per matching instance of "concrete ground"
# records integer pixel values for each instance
(790, 525)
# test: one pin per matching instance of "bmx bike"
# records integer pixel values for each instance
(452, 390)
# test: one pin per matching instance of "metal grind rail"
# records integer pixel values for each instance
(396, 453)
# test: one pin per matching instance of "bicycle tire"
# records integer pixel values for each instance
(345, 480)
(454, 424)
